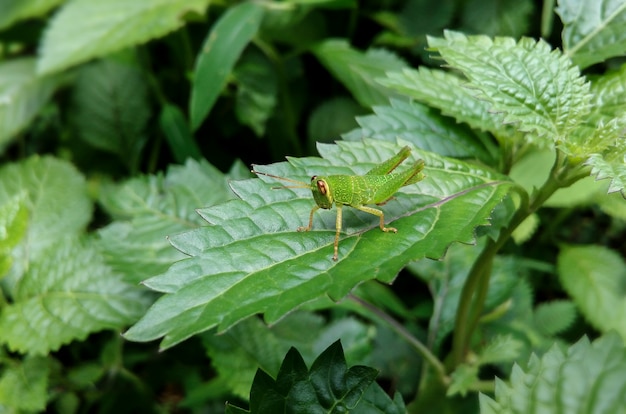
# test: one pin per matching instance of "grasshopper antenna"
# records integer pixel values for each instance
(300, 184)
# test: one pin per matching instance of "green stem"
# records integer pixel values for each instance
(475, 290)
(422, 349)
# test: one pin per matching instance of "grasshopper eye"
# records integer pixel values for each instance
(313, 178)
(321, 185)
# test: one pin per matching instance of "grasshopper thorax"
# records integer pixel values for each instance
(321, 192)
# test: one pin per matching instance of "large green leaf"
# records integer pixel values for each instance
(251, 259)
(111, 108)
(328, 387)
(149, 208)
(358, 71)
(536, 88)
(421, 126)
(55, 197)
(84, 29)
(24, 385)
(22, 95)
(448, 93)
(15, 10)
(587, 378)
(595, 278)
(593, 30)
(222, 47)
(66, 294)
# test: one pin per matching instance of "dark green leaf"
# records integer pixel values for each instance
(497, 17)
(331, 118)
(178, 134)
(84, 29)
(358, 71)
(257, 89)
(329, 387)
(111, 108)
(222, 47)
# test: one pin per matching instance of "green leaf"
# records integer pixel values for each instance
(12, 11)
(554, 317)
(595, 278)
(65, 295)
(178, 134)
(332, 117)
(22, 95)
(420, 125)
(149, 208)
(448, 93)
(84, 29)
(222, 47)
(611, 167)
(358, 71)
(609, 95)
(24, 386)
(447, 277)
(462, 380)
(244, 262)
(13, 225)
(497, 17)
(536, 88)
(111, 108)
(257, 90)
(56, 200)
(239, 352)
(593, 30)
(328, 387)
(587, 378)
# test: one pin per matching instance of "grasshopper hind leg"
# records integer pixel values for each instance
(380, 214)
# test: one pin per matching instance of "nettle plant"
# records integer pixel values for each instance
(534, 101)
(504, 128)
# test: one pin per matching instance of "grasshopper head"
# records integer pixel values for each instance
(321, 192)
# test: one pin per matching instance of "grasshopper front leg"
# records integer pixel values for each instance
(310, 226)
(337, 227)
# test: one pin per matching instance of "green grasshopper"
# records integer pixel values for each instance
(377, 186)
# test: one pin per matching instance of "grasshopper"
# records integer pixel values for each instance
(377, 186)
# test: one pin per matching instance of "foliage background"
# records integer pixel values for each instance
(126, 126)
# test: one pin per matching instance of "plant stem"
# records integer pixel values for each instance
(475, 290)
(422, 349)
